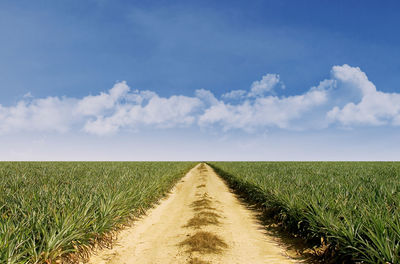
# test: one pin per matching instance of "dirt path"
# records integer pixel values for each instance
(201, 221)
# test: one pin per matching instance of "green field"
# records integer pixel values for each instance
(353, 206)
(50, 209)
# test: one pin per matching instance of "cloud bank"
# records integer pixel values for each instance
(346, 99)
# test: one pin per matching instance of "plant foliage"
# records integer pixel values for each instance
(351, 206)
(51, 209)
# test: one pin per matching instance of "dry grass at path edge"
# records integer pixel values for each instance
(204, 242)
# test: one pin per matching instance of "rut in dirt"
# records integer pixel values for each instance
(201, 221)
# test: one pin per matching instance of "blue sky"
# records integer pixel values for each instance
(224, 80)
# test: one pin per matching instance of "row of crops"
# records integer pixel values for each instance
(51, 209)
(353, 206)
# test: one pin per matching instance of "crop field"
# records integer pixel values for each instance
(51, 209)
(352, 208)
(348, 212)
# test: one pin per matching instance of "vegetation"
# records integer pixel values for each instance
(351, 207)
(51, 209)
(204, 242)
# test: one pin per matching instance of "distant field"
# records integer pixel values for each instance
(353, 206)
(49, 209)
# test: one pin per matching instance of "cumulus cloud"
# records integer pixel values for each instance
(270, 111)
(235, 94)
(363, 104)
(47, 114)
(265, 85)
(95, 105)
(206, 96)
(158, 112)
(347, 98)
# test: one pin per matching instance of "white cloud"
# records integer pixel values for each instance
(100, 126)
(206, 96)
(353, 79)
(28, 95)
(270, 111)
(363, 104)
(48, 114)
(158, 112)
(348, 99)
(95, 105)
(235, 94)
(266, 84)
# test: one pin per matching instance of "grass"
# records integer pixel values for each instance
(50, 210)
(198, 261)
(203, 219)
(353, 207)
(207, 214)
(204, 203)
(204, 242)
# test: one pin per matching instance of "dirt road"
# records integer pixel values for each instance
(201, 221)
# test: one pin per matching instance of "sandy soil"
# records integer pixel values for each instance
(160, 236)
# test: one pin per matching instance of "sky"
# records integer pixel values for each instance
(199, 80)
